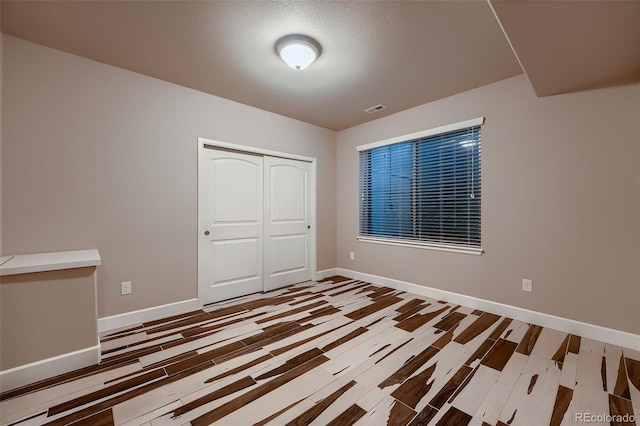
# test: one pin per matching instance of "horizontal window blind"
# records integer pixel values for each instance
(425, 190)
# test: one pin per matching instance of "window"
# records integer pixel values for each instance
(423, 188)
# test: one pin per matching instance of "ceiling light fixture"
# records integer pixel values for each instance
(298, 50)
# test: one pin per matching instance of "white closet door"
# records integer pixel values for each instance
(287, 192)
(230, 242)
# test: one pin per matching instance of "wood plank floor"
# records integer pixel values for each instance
(338, 352)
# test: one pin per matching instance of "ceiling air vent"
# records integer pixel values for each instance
(376, 108)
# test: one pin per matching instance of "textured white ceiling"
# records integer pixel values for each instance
(400, 54)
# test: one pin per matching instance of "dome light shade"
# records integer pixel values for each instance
(298, 51)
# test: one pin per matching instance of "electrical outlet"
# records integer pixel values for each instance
(125, 287)
(352, 256)
(527, 285)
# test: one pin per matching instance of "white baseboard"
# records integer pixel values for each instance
(144, 315)
(46, 368)
(583, 329)
(320, 275)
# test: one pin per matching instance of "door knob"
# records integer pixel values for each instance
(308, 226)
(206, 232)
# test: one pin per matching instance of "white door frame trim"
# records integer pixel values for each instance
(203, 142)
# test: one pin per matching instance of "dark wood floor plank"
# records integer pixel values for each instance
(621, 387)
(450, 387)
(306, 299)
(345, 288)
(240, 368)
(574, 344)
(410, 312)
(322, 312)
(621, 410)
(391, 352)
(335, 279)
(449, 321)
(563, 399)
(297, 288)
(462, 385)
(230, 389)
(529, 340)
(400, 414)
(348, 417)
(413, 303)
(454, 417)
(480, 352)
(499, 354)
(562, 350)
(206, 357)
(415, 388)
(411, 366)
(603, 372)
(312, 413)
(424, 417)
(633, 372)
(374, 307)
(382, 292)
(104, 418)
(418, 320)
(355, 333)
(497, 332)
(290, 364)
(445, 338)
(272, 301)
(483, 323)
(270, 331)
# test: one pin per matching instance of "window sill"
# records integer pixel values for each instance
(427, 246)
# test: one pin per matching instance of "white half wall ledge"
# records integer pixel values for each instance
(54, 261)
(40, 370)
(578, 328)
(115, 322)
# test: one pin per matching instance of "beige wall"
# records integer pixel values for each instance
(99, 157)
(560, 202)
(46, 314)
